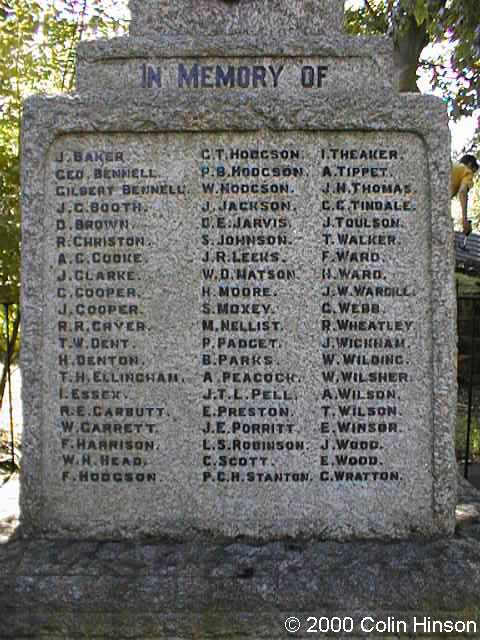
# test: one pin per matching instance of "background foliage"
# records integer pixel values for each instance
(440, 36)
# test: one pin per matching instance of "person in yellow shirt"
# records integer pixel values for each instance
(461, 183)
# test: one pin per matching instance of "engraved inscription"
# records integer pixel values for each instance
(236, 312)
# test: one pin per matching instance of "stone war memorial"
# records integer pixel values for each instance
(238, 339)
(241, 315)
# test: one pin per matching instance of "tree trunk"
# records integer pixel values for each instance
(409, 40)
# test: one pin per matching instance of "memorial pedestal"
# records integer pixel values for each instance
(65, 590)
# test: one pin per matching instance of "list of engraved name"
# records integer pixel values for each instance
(301, 329)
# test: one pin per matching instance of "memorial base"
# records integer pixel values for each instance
(72, 589)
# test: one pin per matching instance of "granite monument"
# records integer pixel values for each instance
(238, 306)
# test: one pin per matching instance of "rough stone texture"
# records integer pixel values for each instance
(113, 106)
(392, 510)
(199, 591)
(218, 581)
(237, 17)
(159, 590)
(120, 77)
(69, 116)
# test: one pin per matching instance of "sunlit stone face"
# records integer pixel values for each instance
(237, 299)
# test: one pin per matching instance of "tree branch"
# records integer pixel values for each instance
(13, 339)
(370, 8)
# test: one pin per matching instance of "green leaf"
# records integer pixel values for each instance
(420, 11)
